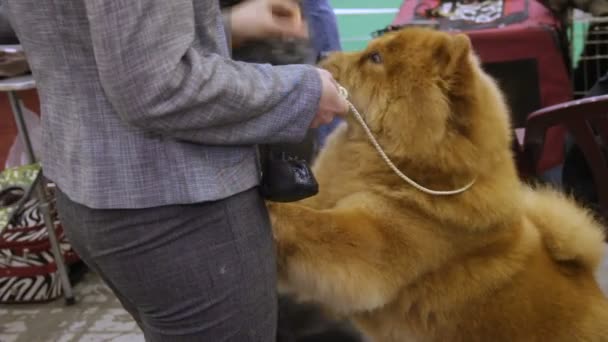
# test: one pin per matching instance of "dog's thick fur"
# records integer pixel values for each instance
(500, 262)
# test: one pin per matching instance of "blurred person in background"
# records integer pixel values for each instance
(279, 51)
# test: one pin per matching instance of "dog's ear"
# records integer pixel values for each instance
(452, 55)
(456, 70)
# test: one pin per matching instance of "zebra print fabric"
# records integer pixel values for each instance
(28, 272)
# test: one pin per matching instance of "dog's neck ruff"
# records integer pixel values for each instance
(374, 141)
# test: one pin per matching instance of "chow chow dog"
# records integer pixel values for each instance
(501, 261)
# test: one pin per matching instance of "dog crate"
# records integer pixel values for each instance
(589, 50)
(520, 43)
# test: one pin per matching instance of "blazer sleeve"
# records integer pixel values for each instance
(158, 77)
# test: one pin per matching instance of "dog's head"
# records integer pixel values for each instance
(425, 97)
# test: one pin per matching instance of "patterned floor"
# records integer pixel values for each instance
(97, 317)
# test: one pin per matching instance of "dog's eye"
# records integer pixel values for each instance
(375, 58)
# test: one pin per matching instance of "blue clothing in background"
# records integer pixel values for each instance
(323, 25)
(325, 38)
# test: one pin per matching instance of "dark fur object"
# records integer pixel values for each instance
(276, 52)
(302, 322)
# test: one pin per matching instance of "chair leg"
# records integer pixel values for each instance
(44, 202)
(21, 126)
(45, 209)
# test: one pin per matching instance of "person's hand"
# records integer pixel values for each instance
(260, 19)
(331, 103)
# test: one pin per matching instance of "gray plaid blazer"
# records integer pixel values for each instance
(142, 107)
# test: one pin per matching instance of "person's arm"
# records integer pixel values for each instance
(158, 81)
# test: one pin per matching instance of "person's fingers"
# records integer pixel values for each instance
(284, 9)
(322, 118)
(326, 118)
(343, 106)
(332, 103)
(315, 123)
(325, 73)
(282, 30)
(300, 30)
(287, 19)
(339, 104)
(285, 14)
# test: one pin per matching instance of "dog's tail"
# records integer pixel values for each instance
(570, 233)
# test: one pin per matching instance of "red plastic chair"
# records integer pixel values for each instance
(587, 122)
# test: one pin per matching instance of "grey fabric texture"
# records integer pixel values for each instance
(199, 272)
(142, 106)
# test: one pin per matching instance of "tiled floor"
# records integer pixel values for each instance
(97, 317)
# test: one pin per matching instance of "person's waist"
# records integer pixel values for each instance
(134, 187)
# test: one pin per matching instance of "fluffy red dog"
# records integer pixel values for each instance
(499, 262)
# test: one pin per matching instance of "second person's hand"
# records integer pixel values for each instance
(262, 19)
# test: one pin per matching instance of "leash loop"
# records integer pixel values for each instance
(344, 93)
